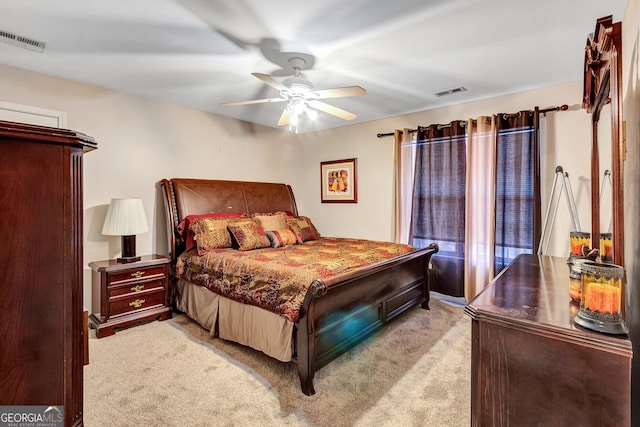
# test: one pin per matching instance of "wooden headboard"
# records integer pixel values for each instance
(186, 196)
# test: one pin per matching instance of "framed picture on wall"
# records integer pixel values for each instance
(339, 181)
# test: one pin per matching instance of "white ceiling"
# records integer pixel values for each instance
(200, 53)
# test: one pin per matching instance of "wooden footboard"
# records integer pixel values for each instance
(337, 316)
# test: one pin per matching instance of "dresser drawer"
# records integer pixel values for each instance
(131, 303)
(135, 274)
(138, 286)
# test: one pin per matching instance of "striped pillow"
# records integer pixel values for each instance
(280, 238)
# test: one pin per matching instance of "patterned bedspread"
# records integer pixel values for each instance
(277, 279)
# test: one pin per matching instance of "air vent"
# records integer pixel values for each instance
(450, 91)
(21, 41)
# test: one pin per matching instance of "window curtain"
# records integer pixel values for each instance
(480, 205)
(404, 162)
(476, 194)
(517, 188)
(438, 202)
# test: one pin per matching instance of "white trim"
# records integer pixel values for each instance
(34, 115)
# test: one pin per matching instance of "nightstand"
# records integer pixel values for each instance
(125, 294)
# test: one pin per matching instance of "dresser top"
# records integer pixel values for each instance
(44, 134)
(532, 294)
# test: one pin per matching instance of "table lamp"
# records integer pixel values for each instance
(126, 218)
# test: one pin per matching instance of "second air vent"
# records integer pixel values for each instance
(450, 91)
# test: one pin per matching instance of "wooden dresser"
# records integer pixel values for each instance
(41, 311)
(532, 366)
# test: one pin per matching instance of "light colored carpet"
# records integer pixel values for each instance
(415, 372)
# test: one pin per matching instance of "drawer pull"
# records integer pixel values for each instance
(138, 274)
(137, 303)
(137, 288)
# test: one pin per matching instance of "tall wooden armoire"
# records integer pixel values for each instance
(41, 310)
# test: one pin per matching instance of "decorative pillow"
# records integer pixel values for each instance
(249, 235)
(303, 228)
(187, 234)
(283, 237)
(270, 222)
(210, 233)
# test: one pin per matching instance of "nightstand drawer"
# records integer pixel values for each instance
(136, 302)
(135, 287)
(135, 274)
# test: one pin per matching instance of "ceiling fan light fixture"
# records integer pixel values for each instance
(301, 97)
(298, 86)
(297, 105)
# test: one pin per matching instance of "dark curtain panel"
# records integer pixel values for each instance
(516, 209)
(439, 189)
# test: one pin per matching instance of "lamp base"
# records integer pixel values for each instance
(124, 260)
(128, 250)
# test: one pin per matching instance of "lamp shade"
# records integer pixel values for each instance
(125, 217)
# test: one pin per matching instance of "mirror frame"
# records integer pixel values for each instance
(602, 85)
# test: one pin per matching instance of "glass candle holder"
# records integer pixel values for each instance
(575, 277)
(601, 301)
(606, 247)
(578, 240)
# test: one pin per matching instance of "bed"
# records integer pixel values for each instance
(335, 310)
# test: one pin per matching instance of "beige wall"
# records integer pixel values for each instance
(142, 141)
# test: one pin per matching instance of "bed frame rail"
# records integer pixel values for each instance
(338, 316)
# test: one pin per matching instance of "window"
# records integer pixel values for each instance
(440, 192)
(515, 205)
(439, 189)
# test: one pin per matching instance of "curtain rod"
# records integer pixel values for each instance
(563, 107)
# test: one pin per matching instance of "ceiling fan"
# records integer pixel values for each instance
(299, 94)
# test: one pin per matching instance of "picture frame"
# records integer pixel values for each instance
(339, 181)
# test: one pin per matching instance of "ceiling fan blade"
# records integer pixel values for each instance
(285, 118)
(270, 81)
(341, 92)
(335, 111)
(254, 101)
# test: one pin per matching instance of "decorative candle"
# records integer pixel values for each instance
(601, 299)
(578, 240)
(575, 289)
(606, 247)
(575, 277)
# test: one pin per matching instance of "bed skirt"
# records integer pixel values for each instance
(242, 323)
